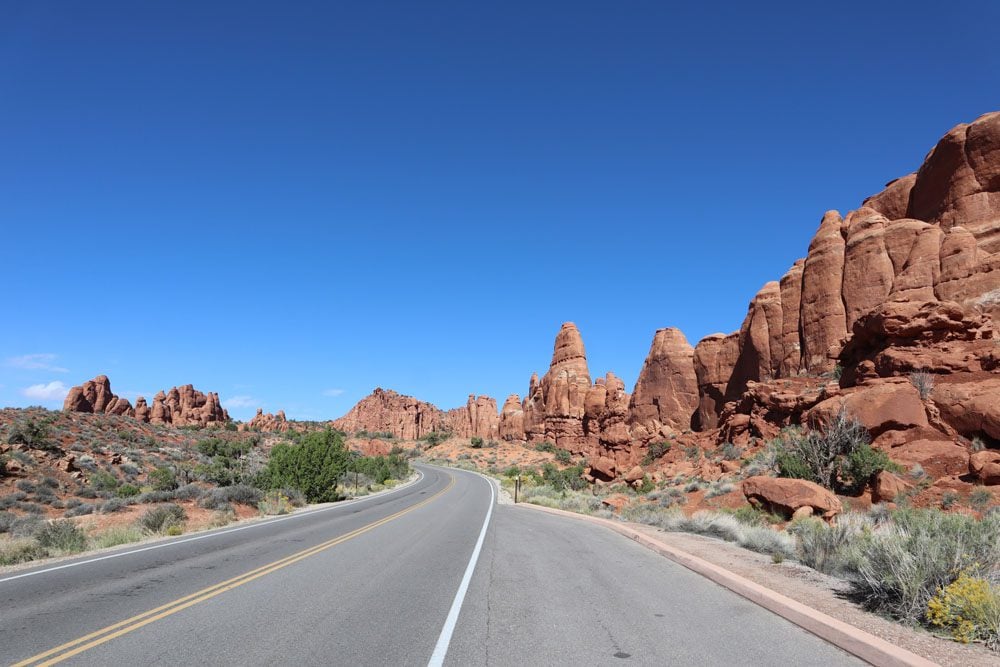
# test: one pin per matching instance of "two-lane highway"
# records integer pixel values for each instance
(413, 577)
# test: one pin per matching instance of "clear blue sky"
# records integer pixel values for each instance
(292, 203)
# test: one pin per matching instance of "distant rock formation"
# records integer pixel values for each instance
(181, 406)
(385, 411)
(268, 423)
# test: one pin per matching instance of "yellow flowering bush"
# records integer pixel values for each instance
(969, 608)
(275, 502)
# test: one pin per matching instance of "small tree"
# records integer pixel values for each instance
(314, 467)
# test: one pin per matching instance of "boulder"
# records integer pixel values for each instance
(880, 407)
(785, 496)
(887, 487)
(971, 408)
(985, 466)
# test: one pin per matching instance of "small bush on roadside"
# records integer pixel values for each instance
(159, 519)
(273, 503)
(969, 608)
(21, 550)
(115, 536)
(63, 536)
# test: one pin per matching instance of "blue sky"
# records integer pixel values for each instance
(292, 203)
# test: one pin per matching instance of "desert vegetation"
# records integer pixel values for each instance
(69, 483)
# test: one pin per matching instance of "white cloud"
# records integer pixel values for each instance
(36, 362)
(333, 392)
(237, 402)
(53, 391)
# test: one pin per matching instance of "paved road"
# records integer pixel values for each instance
(374, 583)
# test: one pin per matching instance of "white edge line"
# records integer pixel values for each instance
(444, 639)
(209, 534)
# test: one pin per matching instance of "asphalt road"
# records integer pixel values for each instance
(389, 580)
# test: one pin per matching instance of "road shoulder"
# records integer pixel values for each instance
(802, 596)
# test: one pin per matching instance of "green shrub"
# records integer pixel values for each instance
(969, 608)
(103, 481)
(163, 479)
(314, 467)
(980, 499)
(63, 536)
(569, 478)
(128, 490)
(115, 536)
(21, 550)
(435, 438)
(33, 433)
(563, 456)
(646, 486)
(158, 519)
(546, 447)
(476, 442)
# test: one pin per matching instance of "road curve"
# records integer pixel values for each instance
(373, 582)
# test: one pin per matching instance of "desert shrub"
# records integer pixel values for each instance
(34, 433)
(901, 564)
(948, 500)
(980, 499)
(563, 456)
(692, 486)
(215, 499)
(86, 492)
(128, 490)
(80, 510)
(274, 502)
(726, 527)
(163, 479)
(103, 481)
(49, 482)
(21, 550)
(838, 456)
(25, 485)
(570, 478)
(826, 548)
(115, 536)
(924, 382)
(7, 520)
(646, 485)
(314, 467)
(435, 438)
(381, 468)
(546, 446)
(512, 471)
(718, 489)
(656, 450)
(751, 516)
(476, 442)
(692, 452)
(969, 608)
(155, 497)
(159, 519)
(3, 465)
(111, 506)
(31, 508)
(174, 529)
(61, 535)
(730, 452)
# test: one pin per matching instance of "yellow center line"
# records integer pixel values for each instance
(120, 628)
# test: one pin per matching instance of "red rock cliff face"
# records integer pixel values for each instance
(478, 418)
(930, 236)
(181, 406)
(665, 397)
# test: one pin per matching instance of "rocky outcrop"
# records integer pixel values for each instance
(181, 406)
(477, 418)
(385, 411)
(267, 422)
(715, 359)
(512, 419)
(666, 393)
(985, 466)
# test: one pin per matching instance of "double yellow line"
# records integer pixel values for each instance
(87, 642)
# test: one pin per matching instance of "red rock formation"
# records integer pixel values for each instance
(268, 423)
(985, 466)
(385, 411)
(666, 393)
(715, 359)
(183, 406)
(478, 418)
(512, 419)
(95, 396)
